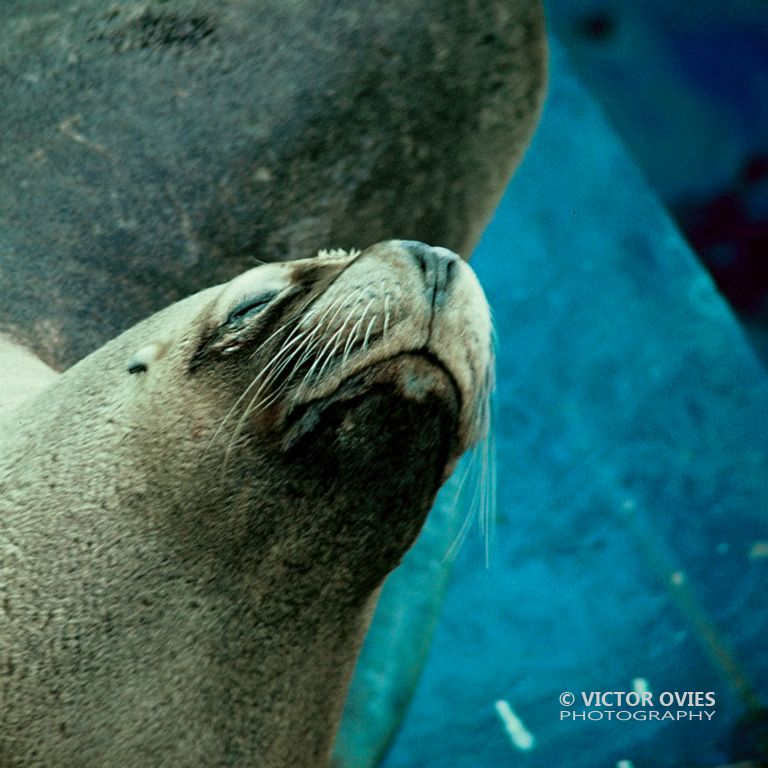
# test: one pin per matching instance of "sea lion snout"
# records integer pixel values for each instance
(395, 297)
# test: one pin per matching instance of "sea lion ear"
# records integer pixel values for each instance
(141, 361)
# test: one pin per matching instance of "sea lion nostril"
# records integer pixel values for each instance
(438, 265)
(424, 253)
(425, 263)
(419, 252)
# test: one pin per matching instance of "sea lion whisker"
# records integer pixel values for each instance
(310, 373)
(327, 357)
(229, 413)
(368, 332)
(301, 349)
(487, 491)
(485, 398)
(355, 303)
(343, 300)
(298, 322)
(353, 334)
(386, 316)
(491, 496)
(269, 338)
(303, 318)
(309, 349)
(481, 484)
(331, 354)
(242, 397)
(466, 471)
(488, 478)
(292, 339)
(318, 357)
(260, 405)
(254, 381)
(284, 355)
(313, 346)
(259, 379)
(481, 465)
(280, 361)
(256, 378)
(256, 405)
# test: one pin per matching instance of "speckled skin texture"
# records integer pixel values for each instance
(150, 149)
(177, 593)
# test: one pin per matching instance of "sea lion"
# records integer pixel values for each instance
(162, 144)
(195, 519)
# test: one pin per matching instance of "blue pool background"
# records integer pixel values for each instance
(631, 434)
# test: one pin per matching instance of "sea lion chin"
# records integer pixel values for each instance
(196, 518)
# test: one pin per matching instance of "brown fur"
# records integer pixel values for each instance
(182, 585)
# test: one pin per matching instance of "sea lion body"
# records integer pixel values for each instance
(161, 145)
(195, 519)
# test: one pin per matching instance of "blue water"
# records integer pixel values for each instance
(631, 455)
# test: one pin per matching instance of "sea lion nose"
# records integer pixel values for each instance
(438, 265)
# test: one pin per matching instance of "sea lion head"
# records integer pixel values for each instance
(295, 424)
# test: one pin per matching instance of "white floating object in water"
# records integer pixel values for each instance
(520, 736)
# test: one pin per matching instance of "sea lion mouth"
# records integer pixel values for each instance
(417, 382)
